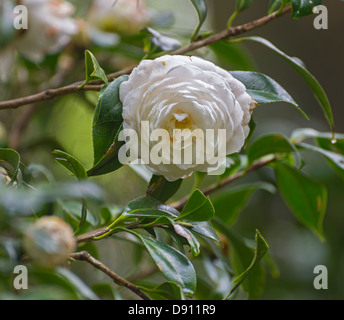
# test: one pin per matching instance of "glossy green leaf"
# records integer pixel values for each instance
(205, 229)
(148, 207)
(229, 204)
(269, 144)
(242, 254)
(162, 189)
(336, 158)
(305, 197)
(197, 208)
(299, 135)
(93, 69)
(303, 8)
(12, 157)
(174, 265)
(261, 248)
(263, 89)
(188, 235)
(107, 123)
(71, 164)
(312, 82)
(201, 8)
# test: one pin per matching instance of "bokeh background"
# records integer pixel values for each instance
(66, 122)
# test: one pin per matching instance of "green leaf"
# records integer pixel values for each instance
(201, 8)
(269, 144)
(335, 159)
(162, 189)
(93, 70)
(312, 82)
(242, 5)
(174, 265)
(107, 124)
(164, 291)
(299, 135)
(12, 157)
(197, 208)
(229, 204)
(191, 239)
(263, 89)
(303, 8)
(242, 254)
(147, 207)
(261, 247)
(71, 164)
(274, 5)
(306, 198)
(205, 229)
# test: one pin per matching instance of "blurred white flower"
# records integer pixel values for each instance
(49, 241)
(50, 28)
(119, 16)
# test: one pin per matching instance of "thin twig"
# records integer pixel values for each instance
(85, 256)
(97, 85)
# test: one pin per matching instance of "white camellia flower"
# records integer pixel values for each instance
(180, 92)
(119, 16)
(50, 27)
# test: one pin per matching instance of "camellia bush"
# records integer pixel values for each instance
(152, 214)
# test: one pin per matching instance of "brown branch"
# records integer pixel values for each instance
(97, 85)
(85, 256)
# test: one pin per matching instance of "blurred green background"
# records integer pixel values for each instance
(66, 123)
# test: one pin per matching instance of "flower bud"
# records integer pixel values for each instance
(49, 241)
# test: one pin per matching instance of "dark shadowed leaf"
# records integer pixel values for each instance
(174, 265)
(261, 247)
(303, 8)
(162, 189)
(305, 197)
(107, 123)
(229, 204)
(269, 144)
